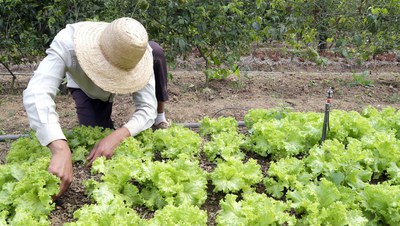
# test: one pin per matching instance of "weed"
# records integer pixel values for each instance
(327, 82)
(238, 84)
(394, 98)
(312, 82)
(11, 113)
(362, 79)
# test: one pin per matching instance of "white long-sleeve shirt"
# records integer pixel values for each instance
(61, 61)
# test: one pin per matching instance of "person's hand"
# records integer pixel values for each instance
(61, 164)
(107, 145)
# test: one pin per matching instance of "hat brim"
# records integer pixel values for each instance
(101, 71)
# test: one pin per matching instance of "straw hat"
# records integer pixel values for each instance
(116, 55)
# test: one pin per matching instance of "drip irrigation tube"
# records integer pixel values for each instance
(191, 125)
(11, 137)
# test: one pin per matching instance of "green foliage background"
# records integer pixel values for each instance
(220, 31)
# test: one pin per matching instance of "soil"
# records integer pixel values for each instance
(268, 80)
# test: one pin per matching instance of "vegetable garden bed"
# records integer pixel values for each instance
(275, 172)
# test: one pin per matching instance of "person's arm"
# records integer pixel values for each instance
(61, 164)
(38, 99)
(107, 145)
(146, 109)
(142, 119)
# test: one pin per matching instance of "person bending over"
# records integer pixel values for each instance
(99, 60)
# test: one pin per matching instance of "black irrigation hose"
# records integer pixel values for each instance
(192, 125)
(7, 137)
(230, 108)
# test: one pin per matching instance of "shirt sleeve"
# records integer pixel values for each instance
(39, 96)
(146, 109)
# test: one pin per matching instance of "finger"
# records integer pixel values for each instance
(63, 188)
(60, 193)
(93, 158)
(92, 152)
(89, 164)
(108, 155)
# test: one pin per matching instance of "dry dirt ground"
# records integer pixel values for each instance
(265, 82)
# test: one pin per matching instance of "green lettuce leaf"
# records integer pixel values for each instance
(233, 175)
(253, 209)
(183, 215)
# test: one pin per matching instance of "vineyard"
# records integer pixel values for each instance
(277, 172)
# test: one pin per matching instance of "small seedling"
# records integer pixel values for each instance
(362, 79)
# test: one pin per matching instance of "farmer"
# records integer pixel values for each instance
(99, 60)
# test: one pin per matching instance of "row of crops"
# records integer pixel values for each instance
(277, 172)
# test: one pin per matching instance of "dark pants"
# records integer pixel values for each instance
(94, 112)
(160, 71)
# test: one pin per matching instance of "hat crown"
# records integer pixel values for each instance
(124, 42)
